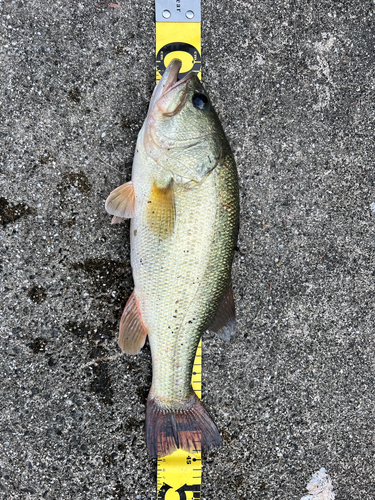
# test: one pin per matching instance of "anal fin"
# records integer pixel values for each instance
(133, 333)
(121, 202)
(224, 322)
(117, 220)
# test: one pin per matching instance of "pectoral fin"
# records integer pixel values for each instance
(121, 202)
(224, 322)
(161, 212)
(133, 332)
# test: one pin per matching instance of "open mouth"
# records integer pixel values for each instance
(166, 88)
(172, 80)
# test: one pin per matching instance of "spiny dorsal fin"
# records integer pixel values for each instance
(121, 202)
(133, 332)
(160, 210)
(224, 322)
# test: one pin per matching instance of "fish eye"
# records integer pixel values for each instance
(200, 101)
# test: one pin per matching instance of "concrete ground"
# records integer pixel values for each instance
(293, 83)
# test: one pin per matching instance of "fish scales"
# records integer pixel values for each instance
(185, 276)
(184, 206)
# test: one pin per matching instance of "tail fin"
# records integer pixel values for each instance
(189, 428)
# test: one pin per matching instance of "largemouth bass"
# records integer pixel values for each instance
(183, 204)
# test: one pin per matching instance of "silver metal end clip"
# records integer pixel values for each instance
(178, 11)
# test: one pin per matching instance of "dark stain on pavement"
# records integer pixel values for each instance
(74, 180)
(45, 157)
(132, 424)
(97, 335)
(228, 437)
(74, 95)
(238, 481)
(103, 271)
(118, 491)
(80, 329)
(127, 123)
(38, 345)
(110, 281)
(101, 385)
(9, 214)
(109, 459)
(37, 294)
(142, 393)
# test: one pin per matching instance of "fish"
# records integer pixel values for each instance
(183, 206)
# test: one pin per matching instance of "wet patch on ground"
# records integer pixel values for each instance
(37, 294)
(127, 123)
(110, 282)
(118, 491)
(74, 95)
(9, 214)
(72, 182)
(104, 272)
(110, 459)
(97, 336)
(228, 437)
(132, 424)
(143, 390)
(45, 157)
(101, 384)
(38, 345)
(68, 223)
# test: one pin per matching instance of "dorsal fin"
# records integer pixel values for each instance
(224, 322)
(121, 202)
(160, 210)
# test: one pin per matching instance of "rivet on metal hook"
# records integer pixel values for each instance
(189, 14)
(166, 14)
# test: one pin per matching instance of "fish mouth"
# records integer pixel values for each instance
(167, 100)
(170, 80)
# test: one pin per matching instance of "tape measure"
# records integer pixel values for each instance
(178, 35)
(179, 476)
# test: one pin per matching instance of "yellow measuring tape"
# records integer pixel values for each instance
(179, 475)
(178, 35)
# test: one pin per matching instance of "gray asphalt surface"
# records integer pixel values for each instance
(293, 83)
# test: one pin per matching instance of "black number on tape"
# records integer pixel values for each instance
(194, 488)
(163, 490)
(191, 487)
